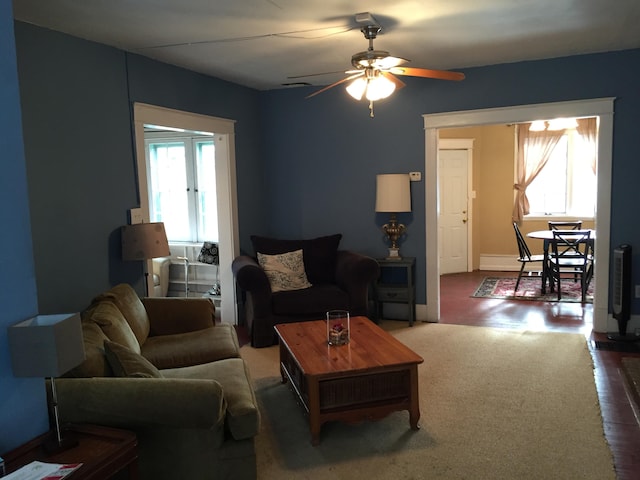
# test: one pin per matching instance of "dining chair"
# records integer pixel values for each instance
(576, 260)
(567, 225)
(525, 257)
(572, 225)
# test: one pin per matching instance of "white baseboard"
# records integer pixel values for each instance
(499, 263)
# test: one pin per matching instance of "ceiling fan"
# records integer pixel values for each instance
(374, 73)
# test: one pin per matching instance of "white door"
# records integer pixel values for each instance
(453, 222)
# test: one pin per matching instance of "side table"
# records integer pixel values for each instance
(103, 452)
(396, 284)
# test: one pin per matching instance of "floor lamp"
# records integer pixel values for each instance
(47, 346)
(144, 241)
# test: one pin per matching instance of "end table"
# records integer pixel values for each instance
(396, 284)
(103, 452)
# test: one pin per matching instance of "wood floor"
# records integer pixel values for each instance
(621, 424)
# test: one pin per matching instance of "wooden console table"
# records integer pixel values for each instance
(102, 451)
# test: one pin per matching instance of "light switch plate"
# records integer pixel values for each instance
(135, 216)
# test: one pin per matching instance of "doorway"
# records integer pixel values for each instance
(224, 131)
(602, 108)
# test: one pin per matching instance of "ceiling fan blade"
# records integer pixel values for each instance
(399, 83)
(426, 73)
(346, 79)
(316, 74)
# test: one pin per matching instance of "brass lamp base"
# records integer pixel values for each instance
(394, 254)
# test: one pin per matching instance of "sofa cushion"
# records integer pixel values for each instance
(285, 271)
(114, 325)
(192, 348)
(95, 363)
(243, 417)
(127, 363)
(319, 254)
(128, 302)
(315, 300)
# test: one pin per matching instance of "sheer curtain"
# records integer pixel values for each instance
(588, 131)
(534, 150)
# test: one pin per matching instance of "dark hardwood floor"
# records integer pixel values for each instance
(619, 414)
(620, 419)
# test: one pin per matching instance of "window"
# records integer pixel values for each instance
(182, 185)
(567, 184)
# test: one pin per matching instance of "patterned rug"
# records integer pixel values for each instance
(530, 289)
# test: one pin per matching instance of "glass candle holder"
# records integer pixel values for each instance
(337, 327)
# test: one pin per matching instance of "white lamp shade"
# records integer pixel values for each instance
(393, 193)
(46, 345)
(143, 241)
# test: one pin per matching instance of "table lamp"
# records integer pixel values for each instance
(47, 346)
(393, 195)
(144, 241)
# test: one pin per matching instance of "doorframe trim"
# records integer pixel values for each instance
(600, 107)
(229, 244)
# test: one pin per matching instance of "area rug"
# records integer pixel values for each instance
(530, 288)
(495, 403)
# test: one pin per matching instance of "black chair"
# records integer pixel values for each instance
(571, 252)
(525, 257)
(573, 225)
(568, 225)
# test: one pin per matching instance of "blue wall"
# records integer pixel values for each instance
(77, 99)
(23, 412)
(324, 152)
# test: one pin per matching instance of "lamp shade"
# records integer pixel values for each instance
(393, 193)
(209, 254)
(143, 241)
(46, 345)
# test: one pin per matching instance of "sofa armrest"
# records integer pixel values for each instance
(142, 402)
(251, 278)
(171, 315)
(354, 274)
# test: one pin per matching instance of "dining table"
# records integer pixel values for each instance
(547, 236)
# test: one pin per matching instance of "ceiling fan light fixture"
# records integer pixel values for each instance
(379, 87)
(373, 87)
(562, 124)
(357, 87)
(537, 126)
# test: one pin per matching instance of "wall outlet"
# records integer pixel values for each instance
(637, 291)
(415, 176)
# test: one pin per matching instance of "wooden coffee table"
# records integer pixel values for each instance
(366, 379)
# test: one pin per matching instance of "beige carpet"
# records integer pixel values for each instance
(495, 404)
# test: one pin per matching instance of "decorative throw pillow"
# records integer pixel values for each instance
(285, 271)
(319, 254)
(127, 363)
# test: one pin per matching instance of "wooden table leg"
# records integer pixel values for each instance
(414, 402)
(314, 410)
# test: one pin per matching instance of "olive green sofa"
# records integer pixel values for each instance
(161, 368)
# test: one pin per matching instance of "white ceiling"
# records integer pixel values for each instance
(260, 43)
